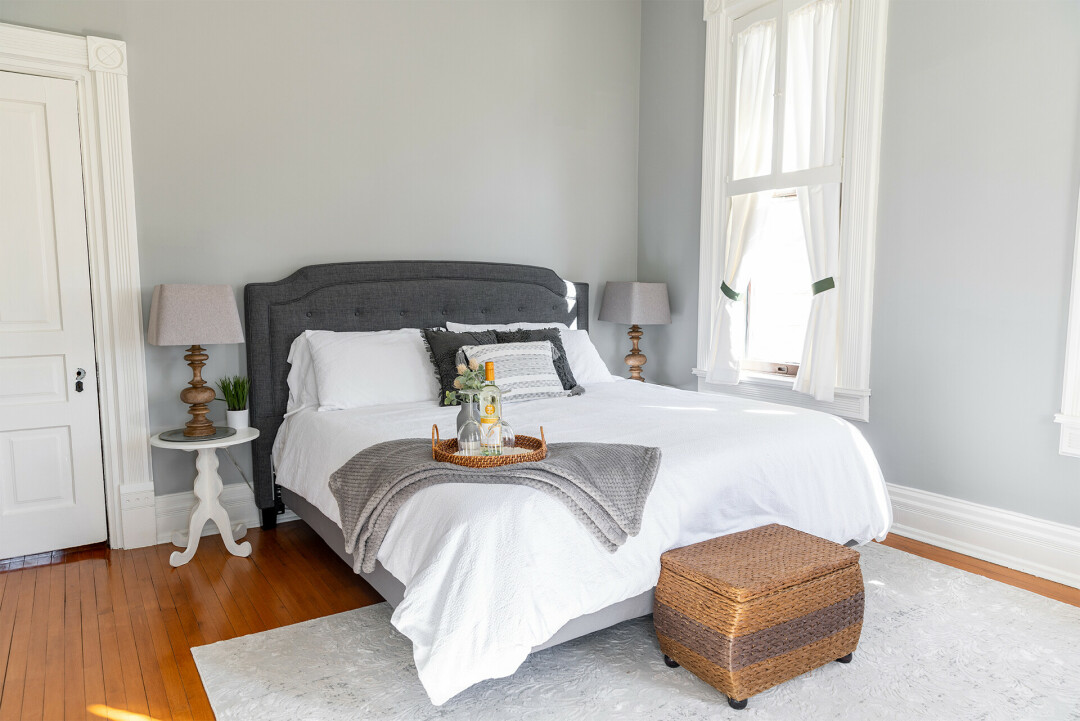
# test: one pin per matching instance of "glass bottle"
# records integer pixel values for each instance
(490, 399)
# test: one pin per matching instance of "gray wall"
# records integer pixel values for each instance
(669, 178)
(979, 179)
(267, 136)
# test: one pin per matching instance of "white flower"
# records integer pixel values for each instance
(458, 384)
(461, 369)
(473, 365)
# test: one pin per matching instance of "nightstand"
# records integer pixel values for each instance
(207, 491)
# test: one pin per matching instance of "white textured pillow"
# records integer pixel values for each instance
(466, 328)
(303, 391)
(371, 369)
(523, 371)
(585, 361)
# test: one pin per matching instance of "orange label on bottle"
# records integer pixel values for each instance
(489, 410)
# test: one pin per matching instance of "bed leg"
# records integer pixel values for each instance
(269, 518)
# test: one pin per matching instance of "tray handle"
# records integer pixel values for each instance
(434, 438)
(543, 441)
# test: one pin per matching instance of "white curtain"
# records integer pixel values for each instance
(755, 87)
(745, 222)
(811, 85)
(820, 206)
(755, 72)
(809, 135)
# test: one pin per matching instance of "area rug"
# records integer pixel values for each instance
(937, 643)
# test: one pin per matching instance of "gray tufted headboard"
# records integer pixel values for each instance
(381, 295)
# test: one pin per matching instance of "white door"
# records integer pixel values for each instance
(52, 491)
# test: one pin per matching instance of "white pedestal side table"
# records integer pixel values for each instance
(207, 502)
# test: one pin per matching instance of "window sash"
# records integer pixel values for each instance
(778, 10)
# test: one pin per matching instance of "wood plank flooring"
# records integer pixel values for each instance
(1050, 589)
(94, 633)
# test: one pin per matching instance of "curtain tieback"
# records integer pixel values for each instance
(822, 285)
(727, 290)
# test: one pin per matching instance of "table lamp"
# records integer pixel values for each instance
(637, 304)
(191, 315)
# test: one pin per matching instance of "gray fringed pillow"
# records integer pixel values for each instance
(443, 347)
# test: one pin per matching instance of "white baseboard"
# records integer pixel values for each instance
(173, 510)
(1042, 548)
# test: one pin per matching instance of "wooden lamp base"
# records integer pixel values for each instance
(636, 358)
(198, 395)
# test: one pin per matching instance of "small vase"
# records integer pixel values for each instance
(237, 419)
(469, 412)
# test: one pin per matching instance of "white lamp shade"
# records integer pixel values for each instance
(633, 303)
(194, 315)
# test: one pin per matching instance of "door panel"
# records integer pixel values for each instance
(33, 379)
(30, 293)
(52, 492)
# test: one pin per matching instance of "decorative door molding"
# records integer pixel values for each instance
(99, 68)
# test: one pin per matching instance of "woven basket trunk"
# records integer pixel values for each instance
(792, 622)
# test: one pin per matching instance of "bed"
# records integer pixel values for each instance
(480, 576)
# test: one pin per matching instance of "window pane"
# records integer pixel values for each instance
(811, 85)
(755, 81)
(779, 295)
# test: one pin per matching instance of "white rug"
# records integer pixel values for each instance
(937, 643)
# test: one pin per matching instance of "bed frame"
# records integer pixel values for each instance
(384, 295)
(389, 295)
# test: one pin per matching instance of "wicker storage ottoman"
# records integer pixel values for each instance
(750, 610)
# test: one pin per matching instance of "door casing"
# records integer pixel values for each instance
(99, 68)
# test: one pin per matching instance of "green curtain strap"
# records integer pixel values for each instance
(726, 289)
(823, 285)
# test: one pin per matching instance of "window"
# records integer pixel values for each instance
(792, 130)
(778, 295)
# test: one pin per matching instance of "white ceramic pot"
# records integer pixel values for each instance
(237, 419)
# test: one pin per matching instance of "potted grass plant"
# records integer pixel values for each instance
(234, 391)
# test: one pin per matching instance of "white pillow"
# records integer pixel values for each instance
(466, 328)
(585, 361)
(523, 371)
(353, 370)
(303, 391)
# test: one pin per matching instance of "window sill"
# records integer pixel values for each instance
(1070, 434)
(849, 403)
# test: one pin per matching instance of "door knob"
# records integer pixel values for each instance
(79, 375)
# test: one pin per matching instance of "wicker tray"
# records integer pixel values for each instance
(445, 451)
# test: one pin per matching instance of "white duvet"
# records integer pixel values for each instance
(492, 571)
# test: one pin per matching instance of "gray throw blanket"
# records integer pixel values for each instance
(604, 485)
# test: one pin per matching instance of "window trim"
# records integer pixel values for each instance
(858, 221)
(1069, 417)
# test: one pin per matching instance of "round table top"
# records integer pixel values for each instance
(242, 435)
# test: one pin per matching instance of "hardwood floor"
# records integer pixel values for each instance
(93, 633)
(1050, 589)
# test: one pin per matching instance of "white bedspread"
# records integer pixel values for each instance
(492, 571)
